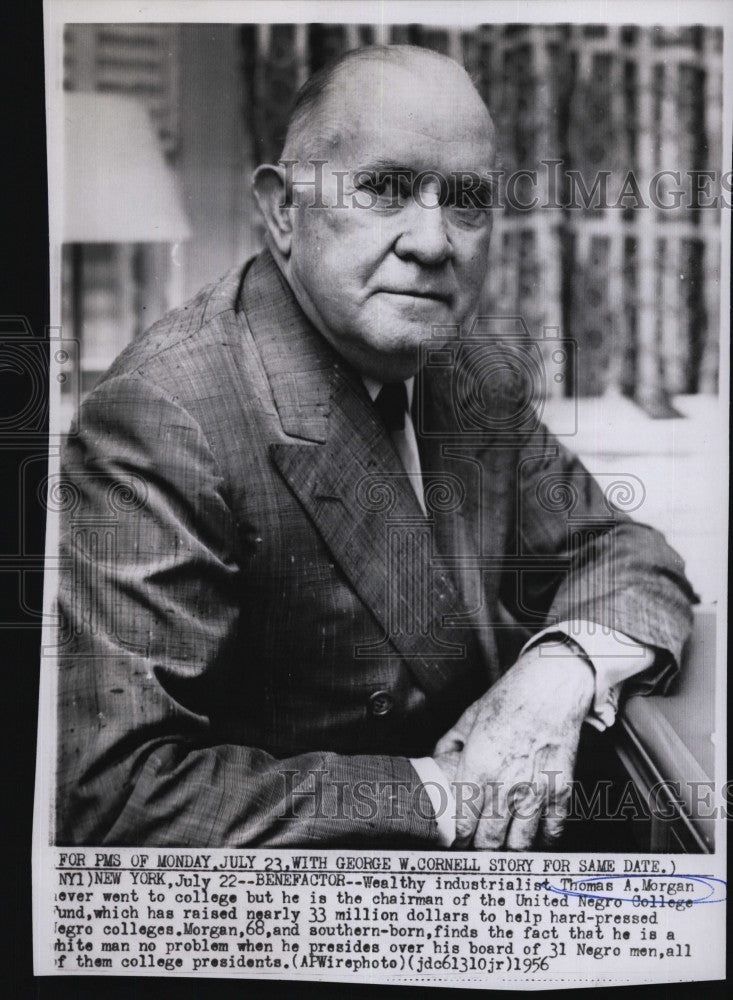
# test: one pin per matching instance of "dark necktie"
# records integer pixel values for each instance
(391, 405)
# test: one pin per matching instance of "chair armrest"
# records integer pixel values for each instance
(668, 741)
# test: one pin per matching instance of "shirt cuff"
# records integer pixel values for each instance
(438, 788)
(614, 657)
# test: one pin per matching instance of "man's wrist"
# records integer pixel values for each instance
(613, 656)
(565, 671)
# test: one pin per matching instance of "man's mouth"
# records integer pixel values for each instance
(429, 295)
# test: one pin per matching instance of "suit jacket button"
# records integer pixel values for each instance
(381, 702)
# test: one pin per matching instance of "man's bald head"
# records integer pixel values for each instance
(325, 105)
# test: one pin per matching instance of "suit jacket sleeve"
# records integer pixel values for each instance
(590, 561)
(150, 618)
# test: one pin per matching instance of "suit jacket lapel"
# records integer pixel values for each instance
(347, 476)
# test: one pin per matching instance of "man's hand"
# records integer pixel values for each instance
(511, 755)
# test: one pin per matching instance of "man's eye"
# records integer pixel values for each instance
(472, 200)
(471, 216)
(388, 188)
(470, 206)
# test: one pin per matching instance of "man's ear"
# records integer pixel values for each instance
(271, 194)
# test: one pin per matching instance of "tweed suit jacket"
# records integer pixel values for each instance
(259, 623)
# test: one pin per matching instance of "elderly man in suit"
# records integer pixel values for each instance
(290, 572)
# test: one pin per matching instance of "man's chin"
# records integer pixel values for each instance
(393, 358)
(415, 311)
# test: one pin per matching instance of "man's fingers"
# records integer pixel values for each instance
(557, 812)
(469, 799)
(526, 812)
(492, 825)
(512, 813)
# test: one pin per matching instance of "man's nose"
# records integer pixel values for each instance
(424, 236)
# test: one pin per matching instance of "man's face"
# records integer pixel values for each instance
(387, 259)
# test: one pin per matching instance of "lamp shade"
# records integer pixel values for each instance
(117, 186)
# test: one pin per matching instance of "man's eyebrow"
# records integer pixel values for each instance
(482, 176)
(384, 167)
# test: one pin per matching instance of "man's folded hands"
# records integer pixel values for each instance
(510, 757)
